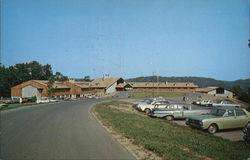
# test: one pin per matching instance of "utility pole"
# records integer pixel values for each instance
(153, 85)
(157, 84)
(249, 52)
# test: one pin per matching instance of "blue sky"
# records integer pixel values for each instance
(129, 38)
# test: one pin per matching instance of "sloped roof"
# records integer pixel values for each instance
(82, 84)
(163, 84)
(34, 85)
(103, 82)
(56, 84)
(122, 85)
(206, 90)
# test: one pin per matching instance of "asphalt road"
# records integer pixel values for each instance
(64, 130)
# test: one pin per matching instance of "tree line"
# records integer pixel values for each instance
(22, 72)
(19, 73)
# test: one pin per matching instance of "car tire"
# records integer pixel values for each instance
(248, 124)
(147, 111)
(212, 129)
(169, 118)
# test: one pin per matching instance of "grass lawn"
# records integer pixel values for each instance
(147, 94)
(169, 140)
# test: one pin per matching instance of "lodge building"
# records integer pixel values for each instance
(164, 86)
(99, 86)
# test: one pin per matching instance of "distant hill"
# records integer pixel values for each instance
(200, 81)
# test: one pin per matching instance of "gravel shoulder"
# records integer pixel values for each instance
(138, 152)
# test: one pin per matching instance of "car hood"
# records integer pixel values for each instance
(201, 117)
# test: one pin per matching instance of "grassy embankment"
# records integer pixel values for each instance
(148, 94)
(169, 140)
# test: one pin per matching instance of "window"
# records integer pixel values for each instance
(230, 113)
(220, 90)
(185, 108)
(220, 112)
(239, 112)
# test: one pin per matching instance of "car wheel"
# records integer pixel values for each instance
(212, 129)
(147, 111)
(169, 118)
(248, 124)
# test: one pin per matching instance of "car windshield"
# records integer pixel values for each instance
(148, 101)
(217, 112)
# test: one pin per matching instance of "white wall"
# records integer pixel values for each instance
(30, 91)
(213, 92)
(112, 88)
(227, 94)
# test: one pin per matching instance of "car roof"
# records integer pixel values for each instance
(184, 104)
(225, 107)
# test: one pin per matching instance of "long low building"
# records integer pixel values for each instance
(99, 86)
(38, 88)
(216, 91)
(164, 86)
(67, 89)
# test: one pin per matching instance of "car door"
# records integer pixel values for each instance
(187, 111)
(241, 118)
(229, 119)
(178, 112)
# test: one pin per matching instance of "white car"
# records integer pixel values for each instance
(225, 103)
(148, 107)
(206, 102)
(42, 101)
(144, 101)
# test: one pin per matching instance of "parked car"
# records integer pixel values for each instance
(197, 102)
(159, 99)
(3, 105)
(178, 111)
(206, 103)
(246, 132)
(148, 107)
(42, 101)
(248, 108)
(148, 100)
(220, 118)
(135, 104)
(225, 103)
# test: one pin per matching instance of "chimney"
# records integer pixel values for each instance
(105, 76)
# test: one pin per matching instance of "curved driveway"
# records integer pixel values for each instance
(63, 130)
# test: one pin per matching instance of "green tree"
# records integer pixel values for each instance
(50, 86)
(60, 77)
(86, 78)
(4, 83)
(237, 90)
(241, 94)
(13, 75)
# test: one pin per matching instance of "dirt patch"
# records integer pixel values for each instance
(137, 151)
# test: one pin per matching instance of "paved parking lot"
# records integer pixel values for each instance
(232, 135)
